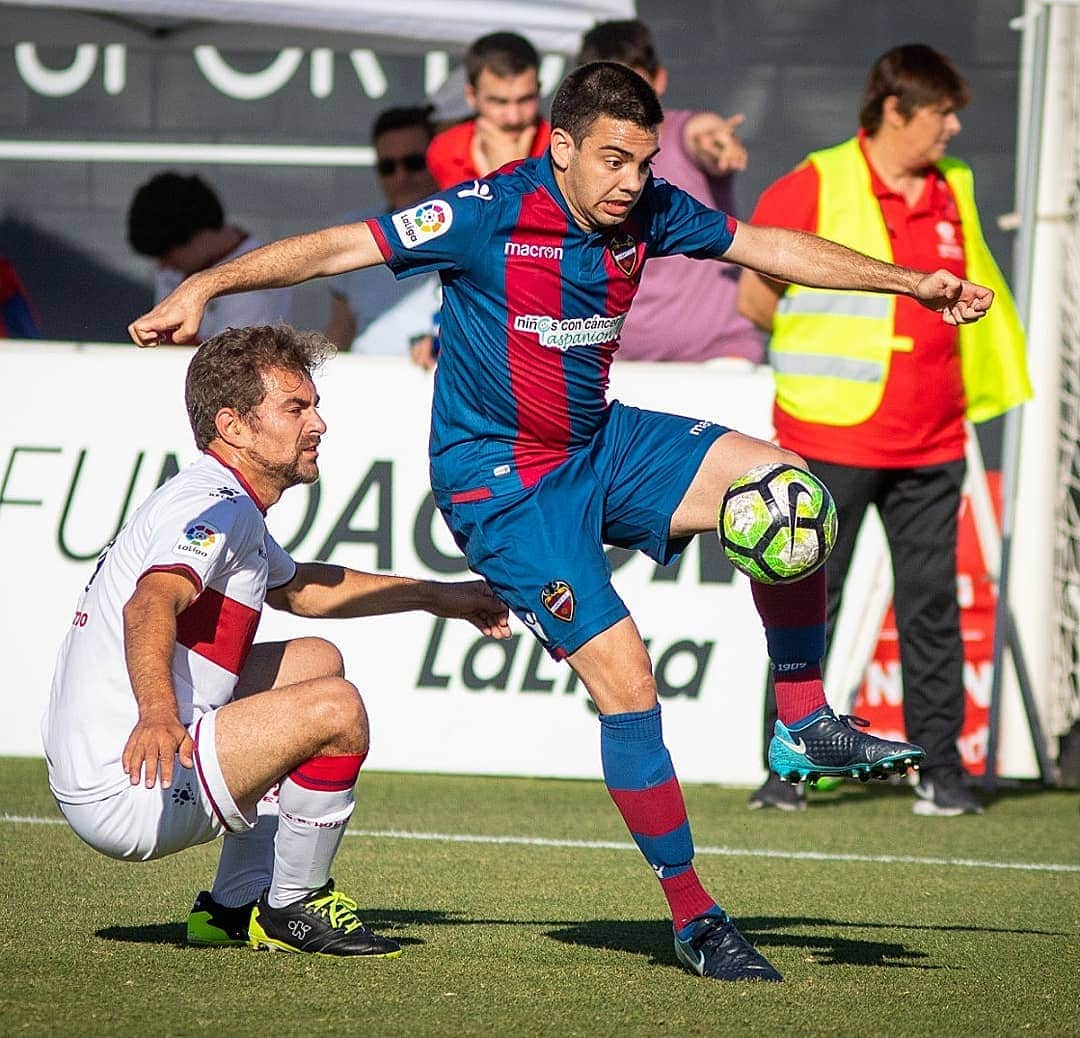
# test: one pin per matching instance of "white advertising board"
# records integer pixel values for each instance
(91, 430)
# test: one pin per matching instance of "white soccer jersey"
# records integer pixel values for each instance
(205, 522)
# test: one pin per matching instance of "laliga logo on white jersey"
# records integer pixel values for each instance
(200, 539)
(426, 221)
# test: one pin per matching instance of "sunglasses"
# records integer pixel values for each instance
(413, 164)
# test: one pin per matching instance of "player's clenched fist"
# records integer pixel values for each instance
(174, 320)
(958, 301)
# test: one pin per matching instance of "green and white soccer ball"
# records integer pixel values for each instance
(777, 523)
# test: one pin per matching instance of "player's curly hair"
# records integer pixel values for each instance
(227, 371)
(604, 88)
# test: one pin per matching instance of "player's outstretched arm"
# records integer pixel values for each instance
(806, 259)
(321, 590)
(149, 640)
(287, 262)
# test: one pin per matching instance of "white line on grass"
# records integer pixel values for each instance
(615, 845)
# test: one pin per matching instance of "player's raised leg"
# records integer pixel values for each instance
(314, 733)
(639, 775)
(810, 740)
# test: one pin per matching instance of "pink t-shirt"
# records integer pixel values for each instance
(685, 308)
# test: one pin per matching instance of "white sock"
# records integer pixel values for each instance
(316, 803)
(246, 865)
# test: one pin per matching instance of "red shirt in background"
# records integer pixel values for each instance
(920, 420)
(17, 317)
(449, 155)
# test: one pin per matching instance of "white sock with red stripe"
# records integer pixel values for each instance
(246, 865)
(316, 803)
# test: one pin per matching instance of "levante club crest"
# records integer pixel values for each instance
(558, 599)
(624, 253)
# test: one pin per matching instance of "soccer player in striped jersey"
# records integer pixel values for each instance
(166, 727)
(535, 470)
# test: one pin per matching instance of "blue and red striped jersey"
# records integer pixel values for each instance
(532, 308)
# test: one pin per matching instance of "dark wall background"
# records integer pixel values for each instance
(794, 67)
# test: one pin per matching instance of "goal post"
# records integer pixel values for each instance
(1039, 530)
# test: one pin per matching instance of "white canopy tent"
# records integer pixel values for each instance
(440, 30)
(552, 25)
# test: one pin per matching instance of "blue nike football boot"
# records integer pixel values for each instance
(711, 946)
(831, 745)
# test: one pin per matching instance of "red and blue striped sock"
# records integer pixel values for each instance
(642, 782)
(794, 619)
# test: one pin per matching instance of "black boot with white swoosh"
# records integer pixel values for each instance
(831, 745)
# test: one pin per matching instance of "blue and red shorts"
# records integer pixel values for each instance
(541, 548)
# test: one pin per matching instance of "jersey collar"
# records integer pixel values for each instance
(239, 477)
(545, 175)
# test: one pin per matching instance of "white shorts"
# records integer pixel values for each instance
(138, 824)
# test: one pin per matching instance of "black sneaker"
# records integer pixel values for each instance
(831, 745)
(217, 925)
(713, 948)
(942, 792)
(777, 793)
(323, 923)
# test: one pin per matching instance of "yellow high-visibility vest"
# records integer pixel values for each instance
(830, 351)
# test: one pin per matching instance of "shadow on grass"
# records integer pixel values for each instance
(174, 934)
(381, 920)
(855, 794)
(653, 938)
(649, 937)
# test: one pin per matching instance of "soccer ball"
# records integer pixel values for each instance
(777, 523)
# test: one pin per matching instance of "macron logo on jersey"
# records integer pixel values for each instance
(423, 223)
(563, 334)
(517, 248)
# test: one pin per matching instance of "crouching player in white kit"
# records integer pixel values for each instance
(167, 728)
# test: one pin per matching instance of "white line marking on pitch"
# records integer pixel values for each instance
(614, 845)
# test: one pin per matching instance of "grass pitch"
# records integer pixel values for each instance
(564, 931)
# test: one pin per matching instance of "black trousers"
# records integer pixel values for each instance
(919, 509)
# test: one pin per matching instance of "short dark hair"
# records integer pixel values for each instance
(502, 54)
(628, 42)
(916, 75)
(403, 118)
(604, 88)
(227, 371)
(169, 210)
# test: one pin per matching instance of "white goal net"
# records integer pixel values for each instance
(1065, 670)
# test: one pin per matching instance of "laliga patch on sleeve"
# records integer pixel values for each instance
(427, 221)
(199, 540)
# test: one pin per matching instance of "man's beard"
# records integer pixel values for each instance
(286, 473)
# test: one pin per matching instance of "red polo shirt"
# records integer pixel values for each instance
(920, 420)
(449, 155)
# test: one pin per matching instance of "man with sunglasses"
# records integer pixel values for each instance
(379, 315)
